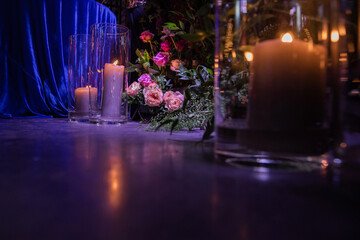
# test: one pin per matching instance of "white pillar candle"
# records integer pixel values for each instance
(287, 86)
(112, 90)
(82, 98)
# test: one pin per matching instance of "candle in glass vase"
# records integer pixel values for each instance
(287, 85)
(112, 90)
(82, 98)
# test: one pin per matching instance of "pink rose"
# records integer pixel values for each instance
(153, 85)
(161, 59)
(153, 97)
(173, 104)
(145, 79)
(146, 36)
(166, 46)
(175, 65)
(173, 100)
(170, 94)
(133, 89)
(181, 44)
(150, 86)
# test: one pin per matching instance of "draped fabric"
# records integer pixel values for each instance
(34, 42)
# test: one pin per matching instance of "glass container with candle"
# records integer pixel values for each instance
(110, 54)
(275, 77)
(79, 90)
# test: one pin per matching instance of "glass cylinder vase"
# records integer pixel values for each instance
(275, 69)
(79, 90)
(110, 54)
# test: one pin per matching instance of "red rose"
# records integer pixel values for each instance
(166, 46)
(146, 36)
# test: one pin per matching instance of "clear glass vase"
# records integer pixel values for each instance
(276, 74)
(79, 89)
(110, 53)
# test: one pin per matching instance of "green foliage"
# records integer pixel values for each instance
(198, 107)
(194, 37)
(188, 29)
(171, 26)
(189, 20)
(197, 113)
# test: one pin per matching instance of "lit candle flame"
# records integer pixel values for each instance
(249, 56)
(116, 62)
(287, 38)
(334, 36)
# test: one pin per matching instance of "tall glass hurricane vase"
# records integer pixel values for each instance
(110, 55)
(79, 72)
(275, 74)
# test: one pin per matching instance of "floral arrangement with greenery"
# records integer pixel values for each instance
(175, 77)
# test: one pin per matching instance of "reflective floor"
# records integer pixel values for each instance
(62, 180)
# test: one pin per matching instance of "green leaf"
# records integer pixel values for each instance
(146, 56)
(171, 26)
(133, 68)
(173, 125)
(130, 69)
(146, 65)
(194, 37)
(163, 123)
(188, 14)
(181, 67)
(181, 24)
(177, 13)
(138, 53)
(187, 98)
(209, 129)
(187, 94)
(209, 71)
(180, 33)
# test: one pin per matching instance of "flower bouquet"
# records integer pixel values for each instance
(175, 76)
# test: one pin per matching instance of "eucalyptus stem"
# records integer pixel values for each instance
(152, 49)
(172, 39)
(179, 52)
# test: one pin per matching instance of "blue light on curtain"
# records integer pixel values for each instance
(34, 51)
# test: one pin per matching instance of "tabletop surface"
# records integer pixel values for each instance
(62, 180)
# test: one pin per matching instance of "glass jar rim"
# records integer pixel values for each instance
(122, 29)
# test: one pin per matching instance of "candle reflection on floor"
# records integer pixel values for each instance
(115, 182)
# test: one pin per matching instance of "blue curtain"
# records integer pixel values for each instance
(34, 52)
